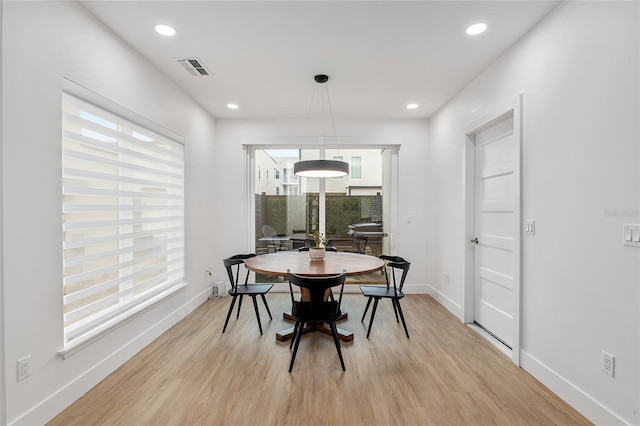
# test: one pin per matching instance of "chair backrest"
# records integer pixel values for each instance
(396, 262)
(327, 248)
(317, 286)
(236, 261)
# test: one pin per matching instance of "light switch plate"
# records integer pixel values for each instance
(631, 235)
(529, 227)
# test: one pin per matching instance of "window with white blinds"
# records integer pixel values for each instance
(356, 167)
(123, 218)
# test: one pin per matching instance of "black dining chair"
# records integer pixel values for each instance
(376, 292)
(238, 288)
(315, 308)
(327, 248)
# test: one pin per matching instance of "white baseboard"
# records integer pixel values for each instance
(574, 396)
(577, 398)
(65, 396)
(445, 301)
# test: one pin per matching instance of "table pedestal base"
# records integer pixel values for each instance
(284, 335)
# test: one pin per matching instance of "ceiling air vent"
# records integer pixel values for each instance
(194, 67)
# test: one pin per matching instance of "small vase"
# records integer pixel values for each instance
(316, 253)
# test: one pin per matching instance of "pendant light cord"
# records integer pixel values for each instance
(333, 124)
(306, 126)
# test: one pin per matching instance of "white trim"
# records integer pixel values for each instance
(468, 191)
(485, 121)
(394, 198)
(445, 301)
(322, 200)
(48, 408)
(3, 380)
(574, 396)
(110, 326)
(310, 142)
(249, 209)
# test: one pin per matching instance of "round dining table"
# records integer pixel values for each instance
(300, 263)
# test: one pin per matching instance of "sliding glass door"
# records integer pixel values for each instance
(351, 211)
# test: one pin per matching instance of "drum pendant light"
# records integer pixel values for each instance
(322, 168)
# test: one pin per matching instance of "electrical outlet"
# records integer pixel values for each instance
(608, 364)
(24, 368)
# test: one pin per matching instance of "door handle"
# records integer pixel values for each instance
(475, 240)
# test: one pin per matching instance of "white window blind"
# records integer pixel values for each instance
(123, 218)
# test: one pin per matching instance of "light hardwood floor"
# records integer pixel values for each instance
(444, 375)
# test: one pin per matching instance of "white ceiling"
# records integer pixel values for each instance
(379, 55)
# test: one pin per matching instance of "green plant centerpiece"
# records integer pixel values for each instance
(319, 239)
(317, 252)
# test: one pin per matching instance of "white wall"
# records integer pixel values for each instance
(411, 134)
(42, 43)
(579, 73)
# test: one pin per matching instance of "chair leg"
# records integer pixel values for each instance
(264, 300)
(366, 309)
(295, 347)
(255, 306)
(295, 333)
(402, 317)
(395, 310)
(334, 332)
(239, 306)
(233, 301)
(373, 314)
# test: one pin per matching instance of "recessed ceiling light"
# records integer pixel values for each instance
(232, 106)
(165, 30)
(412, 106)
(476, 29)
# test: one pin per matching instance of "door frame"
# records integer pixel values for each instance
(497, 113)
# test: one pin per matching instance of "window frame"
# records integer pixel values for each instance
(391, 181)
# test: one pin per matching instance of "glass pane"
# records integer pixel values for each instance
(354, 209)
(287, 206)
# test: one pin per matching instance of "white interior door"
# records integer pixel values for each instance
(496, 224)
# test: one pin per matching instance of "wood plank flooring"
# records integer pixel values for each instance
(444, 374)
